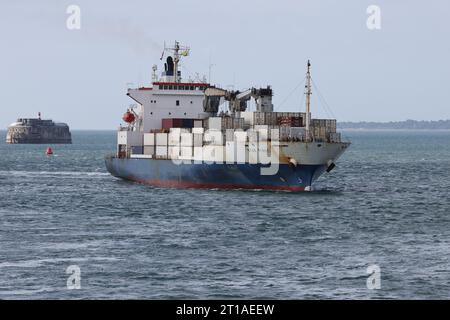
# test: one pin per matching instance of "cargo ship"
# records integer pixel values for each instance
(38, 131)
(188, 133)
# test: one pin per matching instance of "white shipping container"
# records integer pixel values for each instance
(187, 139)
(186, 152)
(198, 130)
(213, 137)
(161, 139)
(198, 139)
(198, 123)
(149, 150)
(230, 152)
(252, 152)
(173, 152)
(229, 135)
(198, 154)
(252, 135)
(263, 132)
(174, 137)
(240, 136)
(213, 153)
(274, 133)
(161, 151)
(248, 117)
(149, 139)
(129, 138)
(215, 123)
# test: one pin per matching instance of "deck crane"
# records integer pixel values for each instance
(238, 100)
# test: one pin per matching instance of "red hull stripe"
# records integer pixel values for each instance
(183, 184)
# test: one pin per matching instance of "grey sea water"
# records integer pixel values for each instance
(387, 203)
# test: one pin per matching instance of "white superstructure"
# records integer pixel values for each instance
(169, 96)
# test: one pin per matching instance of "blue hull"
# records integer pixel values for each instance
(161, 172)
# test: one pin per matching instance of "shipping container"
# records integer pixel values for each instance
(334, 137)
(137, 149)
(161, 139)
(173, 152)
(213, 137)
(161, 151)
(263, 132)
(291, 121)
(248, 117)
(129, 138)
(149, 139)
(298, 133)
(198, 130)
(252, 135)
(229, 134)
(172, 123)
(285, 133)
(187, 123)
(186, 152)
(198, 153)
(274, 133)
(198, 123)
(253, 152)
(214, 123)
(186, 140)
(213, 153)
(227, 122)
(198, 139)
(174, 137)
(149, 150)
(238, 123)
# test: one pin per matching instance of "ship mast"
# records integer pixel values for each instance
(308, 101)
(177, 56)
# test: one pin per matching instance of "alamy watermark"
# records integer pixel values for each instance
(374, 19)
(261, 146)
(74, 279)
(374, 280)
(73, 21)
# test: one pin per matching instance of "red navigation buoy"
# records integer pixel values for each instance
(128, 117)
(49, 151)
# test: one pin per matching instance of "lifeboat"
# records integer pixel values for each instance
(128, 117)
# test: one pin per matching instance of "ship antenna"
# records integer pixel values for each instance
(308, 100)
(178, 52)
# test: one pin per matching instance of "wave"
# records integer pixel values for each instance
(39, 262)
(53, 173)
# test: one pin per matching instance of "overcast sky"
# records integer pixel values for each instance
(399, 72)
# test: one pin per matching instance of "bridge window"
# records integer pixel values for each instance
(177, 103)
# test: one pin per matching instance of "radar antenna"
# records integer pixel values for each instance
(178, 52)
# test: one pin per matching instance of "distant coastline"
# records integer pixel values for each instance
(396, 125)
